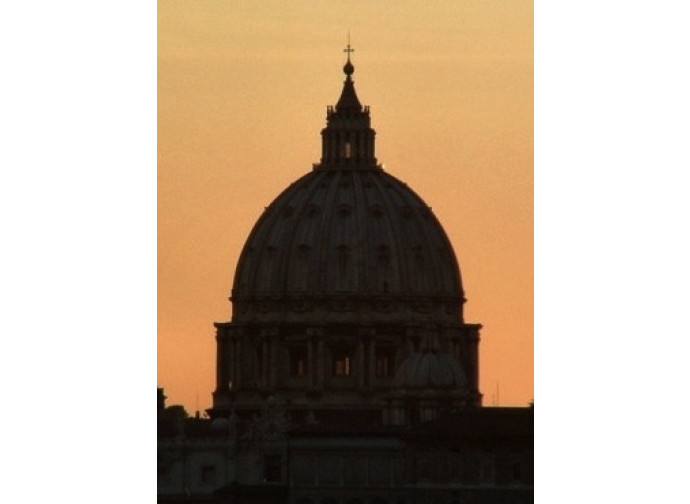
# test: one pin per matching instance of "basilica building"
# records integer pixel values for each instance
(347, 373)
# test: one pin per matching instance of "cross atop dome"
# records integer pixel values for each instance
(348, 102)
(349, 68)
(345, 278)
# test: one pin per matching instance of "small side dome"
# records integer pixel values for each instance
(430, 370)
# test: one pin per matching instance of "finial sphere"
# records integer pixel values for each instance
(349, 68)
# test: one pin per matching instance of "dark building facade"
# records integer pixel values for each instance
(347, 373)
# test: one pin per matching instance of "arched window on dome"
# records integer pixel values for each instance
(343, 273)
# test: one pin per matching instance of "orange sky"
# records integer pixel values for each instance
(242, 93)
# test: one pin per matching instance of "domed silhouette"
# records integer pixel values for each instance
(347, 237)
(347, 372)
(341, 281)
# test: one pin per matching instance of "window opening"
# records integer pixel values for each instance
(208, 474)
(384, 361)
(342, 363)
(298, 360)
(272, 468)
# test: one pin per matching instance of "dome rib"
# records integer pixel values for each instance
(394, 230)
(290, 256)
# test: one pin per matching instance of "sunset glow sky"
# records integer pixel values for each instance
(242, 93)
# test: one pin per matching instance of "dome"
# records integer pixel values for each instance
(344, 276)
(347, 238)
(430, 370)
(341, 236)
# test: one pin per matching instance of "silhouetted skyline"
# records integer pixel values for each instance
(240, 108)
